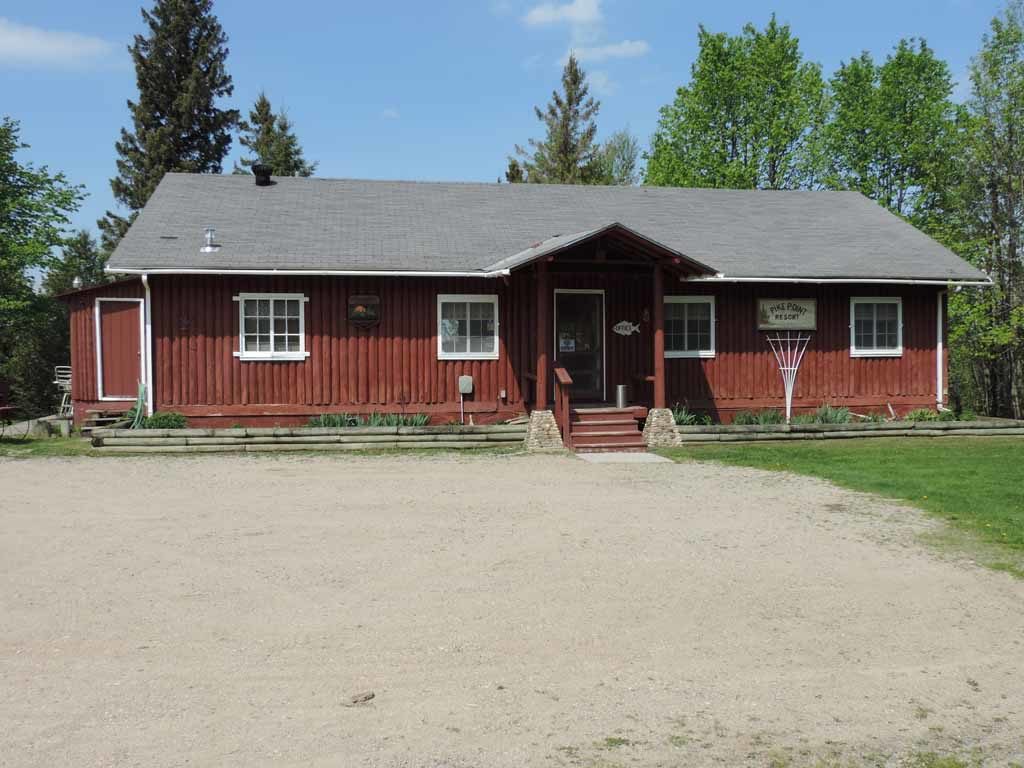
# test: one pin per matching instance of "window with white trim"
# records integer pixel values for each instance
(876, 326)
(272, 326)
(689, 326)
(467, 327)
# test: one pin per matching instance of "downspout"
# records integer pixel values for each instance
(939, 349)
(148, 315)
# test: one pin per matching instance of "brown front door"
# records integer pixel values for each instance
(120, 349)
(579, 341)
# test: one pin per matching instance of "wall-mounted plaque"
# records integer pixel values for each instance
(364, 311)
(787, 314)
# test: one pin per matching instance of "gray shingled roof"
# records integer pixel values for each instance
(339, 224)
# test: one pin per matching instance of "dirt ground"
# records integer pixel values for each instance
(505, 611)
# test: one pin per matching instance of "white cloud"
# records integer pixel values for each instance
(575, 13)
(390, 114)
(602, 83)
(23, 45)
(627, 49)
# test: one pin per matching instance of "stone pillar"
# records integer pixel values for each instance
(660, 429)
(542, 433)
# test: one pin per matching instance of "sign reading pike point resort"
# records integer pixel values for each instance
(787, 314)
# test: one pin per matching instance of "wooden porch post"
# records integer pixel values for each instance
(540, 400)
(658, 322)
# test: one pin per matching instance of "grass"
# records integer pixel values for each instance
(27, 448)
(977, 485)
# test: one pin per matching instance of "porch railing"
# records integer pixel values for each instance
(562, 417)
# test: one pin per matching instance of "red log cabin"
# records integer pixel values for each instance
(271, 300)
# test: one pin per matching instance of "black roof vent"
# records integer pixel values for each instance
(262, 174)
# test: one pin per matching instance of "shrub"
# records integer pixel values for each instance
(947, 416)
(875, 417)
(165, 420)
(922, 414)
(967, 415)
(804, 418)
(827, 414)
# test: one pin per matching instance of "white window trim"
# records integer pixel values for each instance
(481, 298)
(702, 353)
(896, 351)
(97, 315)
(272, 356)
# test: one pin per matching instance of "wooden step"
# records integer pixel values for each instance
(583, 427)
(608, 438)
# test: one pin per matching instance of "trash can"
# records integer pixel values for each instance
(621, 395)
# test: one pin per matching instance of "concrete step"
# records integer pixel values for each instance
(611, 448)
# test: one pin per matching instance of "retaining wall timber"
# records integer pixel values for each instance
(306, 438)
(728, 433)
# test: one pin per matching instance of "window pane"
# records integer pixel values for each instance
(263, 344)
(280, 325)
(263, 325)
(250, 308)
(264, 307)
(293, 325)
(280, 307)
(280, 343)
(293, 308)
(293, 344)
(675, 327)
(250, 325)
(250, 344)
(454, 327)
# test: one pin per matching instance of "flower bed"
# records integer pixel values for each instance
(751, 432)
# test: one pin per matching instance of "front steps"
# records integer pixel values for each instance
(601, 430)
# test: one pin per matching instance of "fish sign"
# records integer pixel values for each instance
(626, 328)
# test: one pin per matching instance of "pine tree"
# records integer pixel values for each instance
(80, 258)
(514, 172)
(569, 153)
(176, 123)
(271, 141)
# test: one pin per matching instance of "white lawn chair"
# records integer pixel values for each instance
(62, 378)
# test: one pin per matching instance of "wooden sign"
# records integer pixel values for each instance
(787, 314)
(364, 311)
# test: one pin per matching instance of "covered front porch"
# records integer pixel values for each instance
(600, 325)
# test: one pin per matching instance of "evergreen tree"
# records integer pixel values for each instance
(176, 123)
(80, 258)
(271, 141)
(746, 119)
(514, 172)
(569, 153)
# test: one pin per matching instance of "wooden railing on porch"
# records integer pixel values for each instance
(562, 417)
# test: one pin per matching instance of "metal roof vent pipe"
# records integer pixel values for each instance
(210, 245)
(262, 174)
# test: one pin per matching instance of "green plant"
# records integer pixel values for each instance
(165, 420)
(967, 415)
(947, 416)
(744, 418)
(804, 418)
(684, 417)
(370, 420)
(769, 416)
(334, 420)
(922, 414)
(827, 414)
(875, 417)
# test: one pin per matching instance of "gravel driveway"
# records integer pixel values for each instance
(505, 611)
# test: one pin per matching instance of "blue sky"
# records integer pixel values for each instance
(419, 90)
